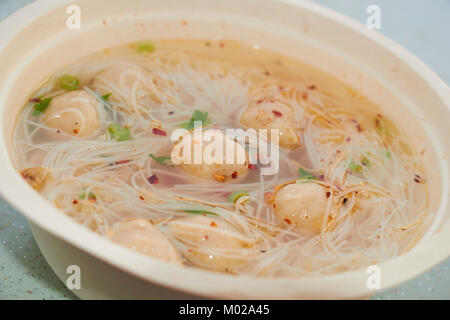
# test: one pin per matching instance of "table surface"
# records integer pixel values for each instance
(420, 26)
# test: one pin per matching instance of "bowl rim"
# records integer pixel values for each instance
(13, 189)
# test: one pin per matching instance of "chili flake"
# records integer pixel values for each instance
(219, 178)
(153, 179)
(277, 113)
(159, 132)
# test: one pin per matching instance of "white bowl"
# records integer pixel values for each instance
(35, 41)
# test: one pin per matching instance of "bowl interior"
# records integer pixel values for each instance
(405, 89)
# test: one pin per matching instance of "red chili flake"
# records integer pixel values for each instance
(277, 113)
(75, 131)
(321, 177)
(338, 151)
(262, 251)
(121, 162)
(259, 101)
(58, 131)
(205, 237)
(75, 201)
(153, 179)
(274, 205)
(344, 201)
(267, 73)
(184, 23)
(141, 197)
(348, 139)
(312, 87)
(281, 88)
(288, 221)
(251, 166)
(171, 113)
(305, 95)
(417, 178)
(221, 44)
(358, 127)
(213, 224)
(234, 175)
(92, 198)
(35, 100)
(159, 132)
(328, 194)
(354, 121)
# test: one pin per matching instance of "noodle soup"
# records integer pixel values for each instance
(95, 140)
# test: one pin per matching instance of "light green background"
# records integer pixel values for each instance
(419, 25)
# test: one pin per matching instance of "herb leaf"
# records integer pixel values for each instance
(68, 82)
(41, 106)
(161, 160)
(233, 197)
(305, 174)
(118, 133)
(197, 116)
(355, 167)
(145, 46)
(200, 212)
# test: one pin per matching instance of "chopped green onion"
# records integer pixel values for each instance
(161, 160)
(118, 133)
(105, 97)
(388, 154)
(355, 167)
(233, 197)
(82, 195)
(303, 174)
(197, 116)
(41, 106)
(68, 82)
(200, 212)
(145, 46)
